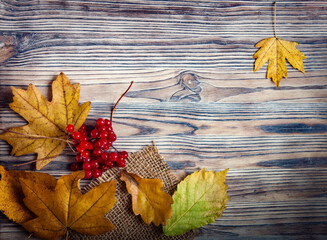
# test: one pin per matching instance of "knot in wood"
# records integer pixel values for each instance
(189, 80)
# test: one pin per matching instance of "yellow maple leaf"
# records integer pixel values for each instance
(11, 193)
(45, 133)
(148, 199)
(66, 207)
(276, 51)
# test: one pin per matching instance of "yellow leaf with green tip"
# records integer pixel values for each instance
(199, 199)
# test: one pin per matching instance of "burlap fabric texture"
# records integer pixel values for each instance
(147, 163)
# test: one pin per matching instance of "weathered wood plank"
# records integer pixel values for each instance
(163, 85)
(162, 34)
(209, 135)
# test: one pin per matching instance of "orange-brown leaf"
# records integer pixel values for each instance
(45, 133)
(148, 199)
(66, 207)
(11, 194)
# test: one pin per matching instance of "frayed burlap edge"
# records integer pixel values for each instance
(147, 163)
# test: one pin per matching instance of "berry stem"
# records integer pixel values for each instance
(112, 111)
(115, 149)
(71, 148)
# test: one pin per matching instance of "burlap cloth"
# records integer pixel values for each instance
(147, 163)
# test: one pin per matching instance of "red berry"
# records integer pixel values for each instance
(104, 134)
(94, 134)
(85, 154)
(99, 159)
(120, 158)
(77, 135)
(89, 145)
(84, 138)
(74, 166)
(105, 156)
(113, 156)
(96, 144)
(78, 158)
(109, 129)
(96, 173)
(80, 149)
(83, 133)
(100, 122)
(112, 137)
(106, 147)
(70, 128)
(88, 174)
(109, 163)
(102, 142)
(94, 163)
(87, 159)
(82, 128)
(107, 122)
(83, 144)
(86, 166)
(101, 128)
(121, 163)
(124, 154)
(97, 151)
(103, 168)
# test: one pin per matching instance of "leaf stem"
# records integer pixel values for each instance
(36, 136)
(275, 22)
(36, 160)
(112, 111)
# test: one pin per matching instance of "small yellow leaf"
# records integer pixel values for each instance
(275, 51)
(66, 207)
(11, 194)
(148, 199)
(46, 132)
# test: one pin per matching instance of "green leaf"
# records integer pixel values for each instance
(200, 199)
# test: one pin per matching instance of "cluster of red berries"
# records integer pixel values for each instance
(94, 155)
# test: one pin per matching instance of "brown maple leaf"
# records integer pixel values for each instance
(45, 133)
(11, 193)
(148, 199)
(66, 207)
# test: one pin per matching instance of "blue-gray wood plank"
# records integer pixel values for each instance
(195, 94)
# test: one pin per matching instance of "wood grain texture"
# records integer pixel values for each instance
(195, 94)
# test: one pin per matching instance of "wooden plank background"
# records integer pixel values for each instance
(195, 94)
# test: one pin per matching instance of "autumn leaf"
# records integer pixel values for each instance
(276, 51)
(11, 193)
(66, 207)
(199, 199)
(148, 199)
(47, 121)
